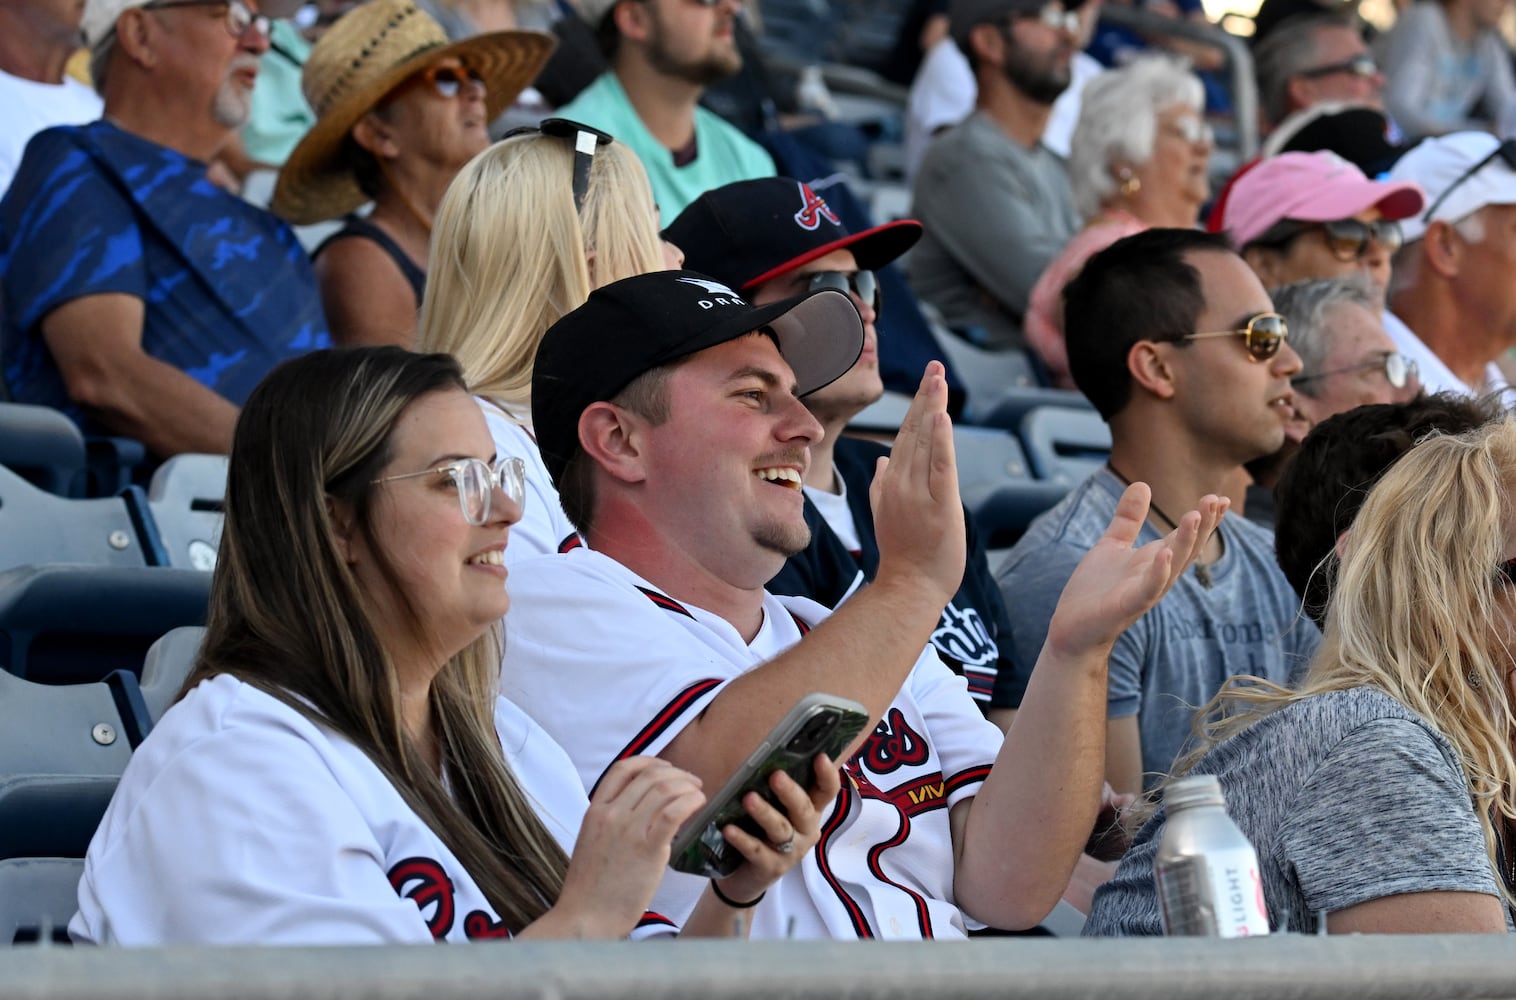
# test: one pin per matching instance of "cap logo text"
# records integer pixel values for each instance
(720, 294)
(813, 209)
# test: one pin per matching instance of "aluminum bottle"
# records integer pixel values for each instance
(1206, 870)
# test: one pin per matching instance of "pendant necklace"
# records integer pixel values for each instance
(1202, 571)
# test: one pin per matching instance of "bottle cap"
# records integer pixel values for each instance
(1194, 790)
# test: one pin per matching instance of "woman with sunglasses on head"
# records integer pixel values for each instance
(1380, 791)
(527, 230)
(339, 768)
(400, 111)
(1304, 216)
(1138, 158)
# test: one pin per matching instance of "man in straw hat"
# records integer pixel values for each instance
(140, 298)
(670, 415)
(663, 54)
(399, 112)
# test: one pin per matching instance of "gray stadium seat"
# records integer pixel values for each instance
(186, 496)
(995, 481)
(51, 815)
(1016, 402)
(39, 527)
(42, 446)
(168, 662)
(1065, 445)
(38, 897)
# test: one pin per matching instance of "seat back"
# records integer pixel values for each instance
(51, 815)
(1017, 401)
(1065, 445)
(42, 446)
(987, 460)
(74, 729)
(168, 663)
(187, 497)
(38, 897)
(68, 624)
(39, 527)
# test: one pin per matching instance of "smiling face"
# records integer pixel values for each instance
(722, 474)
(450, 572)
(861, 385)
(1234, 406)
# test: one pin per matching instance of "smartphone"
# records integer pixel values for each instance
(820, 723)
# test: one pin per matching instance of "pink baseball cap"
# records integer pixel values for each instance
(1309, 187)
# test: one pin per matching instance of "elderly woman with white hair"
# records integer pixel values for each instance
(1138, 159)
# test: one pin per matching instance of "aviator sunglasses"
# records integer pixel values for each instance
(476, 482)
(863, 284)
(1360, 65)
(1264, 334)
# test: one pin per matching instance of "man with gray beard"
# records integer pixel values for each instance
(141, 299)
(662, 56)
(995, 202)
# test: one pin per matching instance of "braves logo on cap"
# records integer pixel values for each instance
(813, 209)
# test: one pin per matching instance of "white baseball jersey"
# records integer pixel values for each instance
(240, 821)
(612, 667)
(543, 527)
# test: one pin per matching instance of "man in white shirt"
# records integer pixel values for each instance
(37, 37)
(669, 413)
(1452, 299)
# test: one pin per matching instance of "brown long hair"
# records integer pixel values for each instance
(288, 617)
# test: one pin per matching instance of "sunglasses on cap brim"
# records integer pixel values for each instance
(1264, 334)
(586, 140)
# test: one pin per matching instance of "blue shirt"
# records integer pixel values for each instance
(227, 290)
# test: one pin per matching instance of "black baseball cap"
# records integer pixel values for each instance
(636, 324)
(1356, 132)
(750, 232)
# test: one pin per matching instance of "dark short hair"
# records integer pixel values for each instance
(647, 396)
(1138, 288)
(1339, 461)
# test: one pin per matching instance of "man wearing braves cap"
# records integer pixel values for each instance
(1306, 216)
(669, 414)
(1452, 297)
(996, 202)
(140, 298)
(772, 238)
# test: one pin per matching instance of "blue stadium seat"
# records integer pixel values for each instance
(168, 663)
(74, 729)
(1065, 445)
(1017, 401)
(44, 447)
(38, 897)
(1004, 515)
(995, 480)
(62, 624)
(39, 527)
(187, 496)
(51, 815)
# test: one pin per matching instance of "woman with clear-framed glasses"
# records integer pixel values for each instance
(339, 767)
(399, 112)
(527, 230)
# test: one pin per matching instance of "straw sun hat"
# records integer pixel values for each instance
(363, 56)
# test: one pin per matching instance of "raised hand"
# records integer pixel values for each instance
(1115, 584)
(797, 827)
(623, 847)
(918, 515)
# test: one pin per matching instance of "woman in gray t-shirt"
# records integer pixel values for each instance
(1381, 793)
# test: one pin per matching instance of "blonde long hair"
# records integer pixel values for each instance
(1415, 613)
(510, 254)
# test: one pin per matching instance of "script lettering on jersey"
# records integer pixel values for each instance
(892, 745)
(962, 636)
(425, 882)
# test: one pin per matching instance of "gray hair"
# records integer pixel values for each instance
(1307, 307)
(1290, 49)
(1118, 121)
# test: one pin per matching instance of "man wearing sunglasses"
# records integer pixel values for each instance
(141, 299)
(775, 238)
(662, 55)
(995, 202)
(1317, 58)
(1452, 298)
(1175, 342)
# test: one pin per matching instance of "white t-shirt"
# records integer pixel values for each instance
(611, 667)
(1434, 374)
(28, 107)
(240, 821)
(543, 527)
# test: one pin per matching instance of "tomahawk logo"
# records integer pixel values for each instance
(812, 210)
(720, 295)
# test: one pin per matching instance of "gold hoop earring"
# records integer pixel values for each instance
(1130, 182)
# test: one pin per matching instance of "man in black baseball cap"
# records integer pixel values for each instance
(681, 406)
(773, 238)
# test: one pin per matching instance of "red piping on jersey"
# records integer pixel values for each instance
(570, 543)
(965, 778)
(666, 717)
(854, 911)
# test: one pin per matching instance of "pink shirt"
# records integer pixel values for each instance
(1044, 314)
